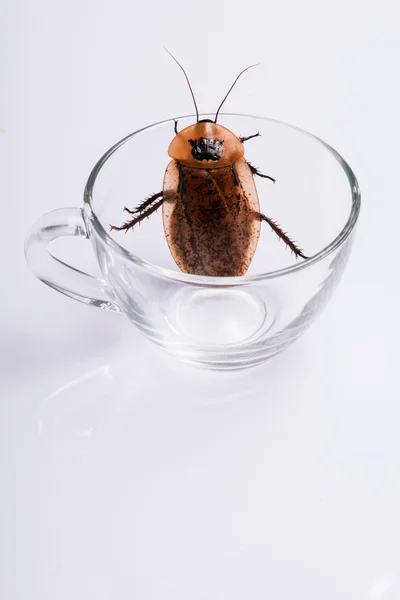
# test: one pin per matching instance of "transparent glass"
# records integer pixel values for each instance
(211, 322)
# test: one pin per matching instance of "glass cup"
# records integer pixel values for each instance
(211, 322)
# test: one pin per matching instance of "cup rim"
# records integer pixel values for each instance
(206, 280)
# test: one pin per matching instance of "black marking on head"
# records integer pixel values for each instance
(206, 148)
(206, 121)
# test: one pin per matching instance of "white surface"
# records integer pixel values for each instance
(125, 474)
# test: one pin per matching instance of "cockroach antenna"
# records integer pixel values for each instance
(187, 79)
(231, 88)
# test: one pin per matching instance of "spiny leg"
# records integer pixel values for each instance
(176, 126)
(148, 202)
(255, 171)
(249, 137)
(145, 213)
(283, 235)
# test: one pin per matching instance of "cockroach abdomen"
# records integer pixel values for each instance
(210, 220)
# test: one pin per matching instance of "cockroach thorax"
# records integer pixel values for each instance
(206, 145)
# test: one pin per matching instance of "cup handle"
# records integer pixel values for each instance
(58, 274)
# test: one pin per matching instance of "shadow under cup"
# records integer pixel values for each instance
(214, 322)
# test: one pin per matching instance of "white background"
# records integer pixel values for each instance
(125, 474)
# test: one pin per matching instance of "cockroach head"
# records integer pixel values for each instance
(206, 148)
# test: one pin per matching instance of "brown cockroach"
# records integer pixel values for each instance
(211, 211)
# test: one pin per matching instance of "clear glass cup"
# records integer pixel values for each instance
(211, 322)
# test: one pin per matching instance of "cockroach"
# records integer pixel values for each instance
(211, 212)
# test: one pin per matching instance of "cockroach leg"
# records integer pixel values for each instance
(255, 171)
(176, 126)
(235, 174)
(145, 213)
(148, 202)
(249, 137)
(283, 235)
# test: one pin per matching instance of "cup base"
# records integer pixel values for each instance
(218, 329)
(218, 318)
